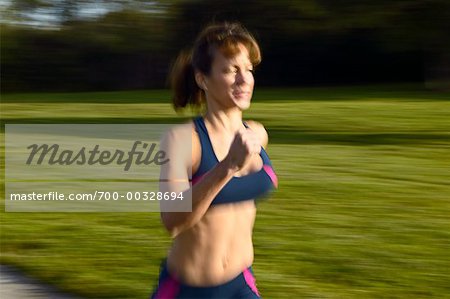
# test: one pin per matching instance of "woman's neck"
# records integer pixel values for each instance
(229, 121)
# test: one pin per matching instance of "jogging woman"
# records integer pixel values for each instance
(212, 250)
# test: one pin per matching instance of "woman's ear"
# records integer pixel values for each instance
(201, 80)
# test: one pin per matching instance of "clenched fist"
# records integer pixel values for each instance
(245, 144)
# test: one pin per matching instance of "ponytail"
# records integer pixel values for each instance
(182, 82)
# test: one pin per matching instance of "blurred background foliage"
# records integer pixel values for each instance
(66, 45)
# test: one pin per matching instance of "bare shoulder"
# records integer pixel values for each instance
(177, 139)
(260, 130)
(182, 142)
(179, 131)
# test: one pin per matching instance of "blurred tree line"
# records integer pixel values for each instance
(305, 42)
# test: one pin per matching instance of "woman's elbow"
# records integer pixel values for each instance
(170, 224)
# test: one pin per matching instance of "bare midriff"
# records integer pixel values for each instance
(217, 249)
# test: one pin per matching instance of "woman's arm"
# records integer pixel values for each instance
(259, 129)
(176, 172)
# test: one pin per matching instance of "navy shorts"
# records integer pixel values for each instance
(241, 287)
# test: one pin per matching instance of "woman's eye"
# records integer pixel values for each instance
(235, 71)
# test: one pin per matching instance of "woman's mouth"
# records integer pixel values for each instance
(240, 94)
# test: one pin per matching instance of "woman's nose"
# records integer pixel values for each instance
(243, 77)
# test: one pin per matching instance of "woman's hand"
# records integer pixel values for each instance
(245, 144)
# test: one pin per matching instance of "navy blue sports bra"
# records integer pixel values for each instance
(251, 186)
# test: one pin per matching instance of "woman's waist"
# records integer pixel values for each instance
(199, 266)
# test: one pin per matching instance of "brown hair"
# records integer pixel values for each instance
(224, 37)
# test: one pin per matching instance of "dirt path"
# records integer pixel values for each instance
(14, 285)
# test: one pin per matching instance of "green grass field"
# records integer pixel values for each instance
(362, 210)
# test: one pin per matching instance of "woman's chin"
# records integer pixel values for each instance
(243, 103)
(244, 106)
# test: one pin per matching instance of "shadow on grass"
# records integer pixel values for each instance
(278, 135)
(97, 120)
(287, 136)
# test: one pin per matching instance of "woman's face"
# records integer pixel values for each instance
(230, 83)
